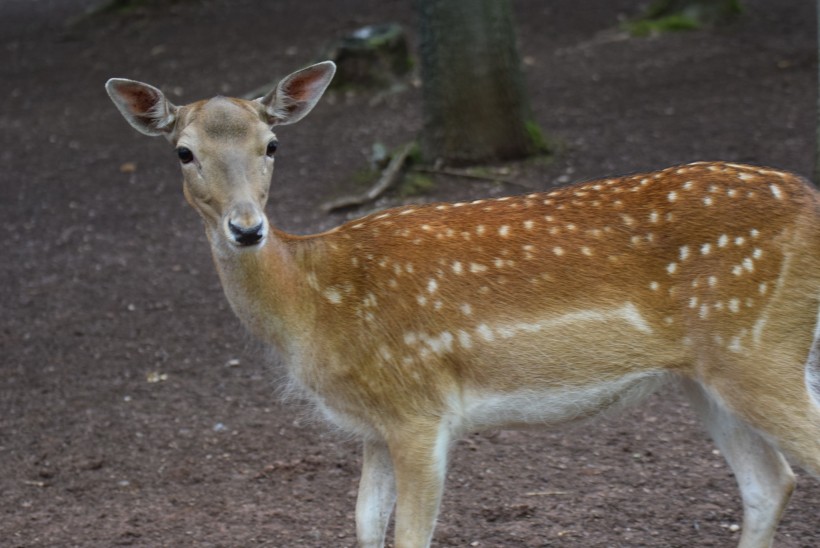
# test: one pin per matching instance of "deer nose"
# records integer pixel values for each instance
(246, 236)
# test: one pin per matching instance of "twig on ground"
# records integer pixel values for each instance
(387, 179)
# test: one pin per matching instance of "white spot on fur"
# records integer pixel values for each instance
(672, 196)
(734, 305)
(485, 332)
(713, 281)
(441, 344)
(672, 268)
(432, 286)
(529, 224)
(654, 286)
(465, 340)
(558, 250)
(504, 231)
(705, 249)
(475, 268)
(333, 296)
(748, 264)
(684, 252)
(466, 309)
(457, 267)
(757, 330)
(723, 241)
(776, 192)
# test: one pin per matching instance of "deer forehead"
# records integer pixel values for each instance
(225, 120)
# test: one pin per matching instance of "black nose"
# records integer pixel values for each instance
(246, 236)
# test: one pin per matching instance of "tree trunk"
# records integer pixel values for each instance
(817, 134)
(475, 108)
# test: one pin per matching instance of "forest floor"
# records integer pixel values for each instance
(134, 410)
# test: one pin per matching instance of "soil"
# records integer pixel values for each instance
(135, 411)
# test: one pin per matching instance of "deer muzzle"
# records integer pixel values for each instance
(246, 226)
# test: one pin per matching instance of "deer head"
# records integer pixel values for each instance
(226, 146)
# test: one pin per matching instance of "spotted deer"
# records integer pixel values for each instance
(414, 325)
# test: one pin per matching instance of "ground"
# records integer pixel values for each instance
(135, 411)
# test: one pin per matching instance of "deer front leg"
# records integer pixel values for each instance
(420, 463)
(377, 495)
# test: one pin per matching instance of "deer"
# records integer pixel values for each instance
(415, 325)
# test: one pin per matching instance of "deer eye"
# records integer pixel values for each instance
(185, 155)
(272, 146)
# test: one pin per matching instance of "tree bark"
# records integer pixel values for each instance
(475, 107)
(817, 134)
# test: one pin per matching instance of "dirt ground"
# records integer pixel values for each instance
(133, 408)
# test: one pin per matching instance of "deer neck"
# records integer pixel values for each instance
(264, 288)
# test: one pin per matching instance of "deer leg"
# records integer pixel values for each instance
(377, 495)
(420, 461)
(765, 479)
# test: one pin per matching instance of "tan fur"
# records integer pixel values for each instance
(414, 324)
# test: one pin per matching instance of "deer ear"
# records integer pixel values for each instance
(145, 107)
(297, 94)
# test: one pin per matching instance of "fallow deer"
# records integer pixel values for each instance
(414, 325)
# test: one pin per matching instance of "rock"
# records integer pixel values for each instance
(375, 56)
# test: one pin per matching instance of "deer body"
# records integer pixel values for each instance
(414, 325)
